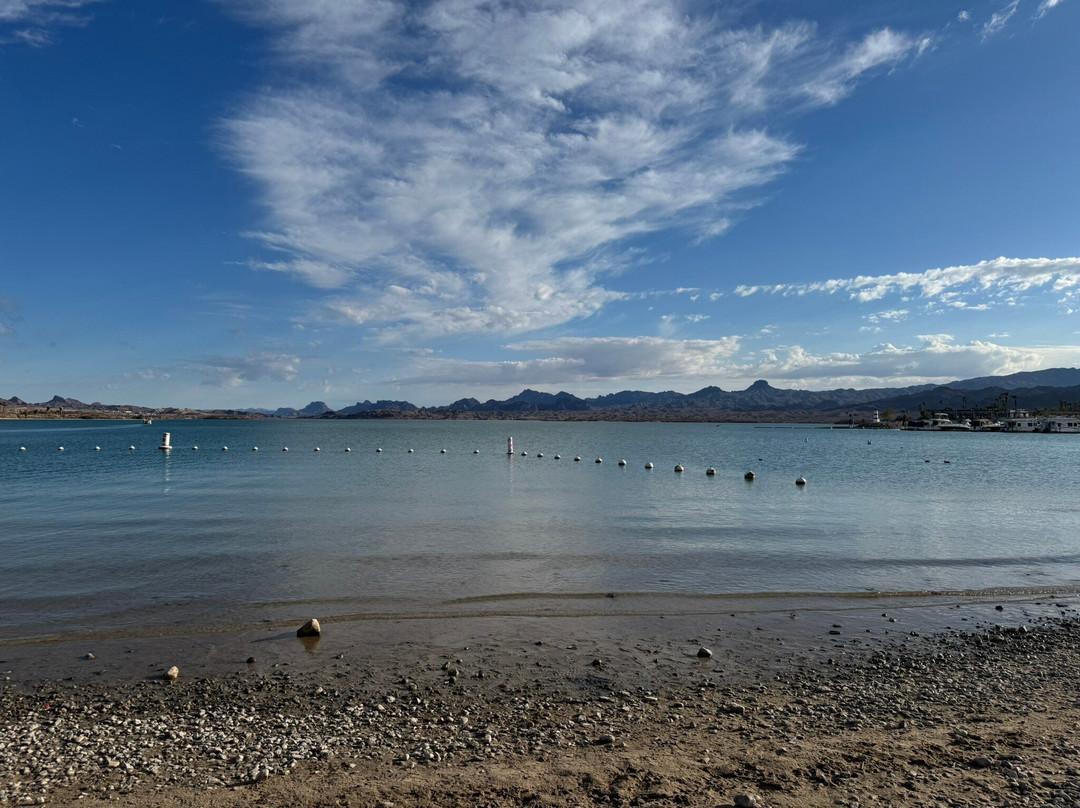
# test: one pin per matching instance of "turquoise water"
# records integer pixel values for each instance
(112, 539)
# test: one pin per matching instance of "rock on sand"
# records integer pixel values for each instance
(310, 629)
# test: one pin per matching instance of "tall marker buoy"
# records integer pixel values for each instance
(166, 442)
(509, 446)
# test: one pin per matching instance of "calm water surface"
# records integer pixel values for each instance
(117, 538)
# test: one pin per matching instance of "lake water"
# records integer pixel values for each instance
(114, 539)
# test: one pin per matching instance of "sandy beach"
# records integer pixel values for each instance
(944, 700)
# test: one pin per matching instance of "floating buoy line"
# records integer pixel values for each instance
(679, 468)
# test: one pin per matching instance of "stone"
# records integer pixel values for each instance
(172, 674)
(982, 763)
(704, 653)
(310, 629)
(89, 656)
(251, 660)
(746, 801)
(605, 740)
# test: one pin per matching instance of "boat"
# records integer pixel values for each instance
(1062, 423)
(148, 421)
(939, 422)
(1022, 421)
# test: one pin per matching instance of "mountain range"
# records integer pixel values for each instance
(1044, 389)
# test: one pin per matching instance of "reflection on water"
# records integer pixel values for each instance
(118, 536)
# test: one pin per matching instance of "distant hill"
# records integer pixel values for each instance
(378, 406)
(1054, 377)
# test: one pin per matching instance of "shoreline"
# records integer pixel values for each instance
(888, 703)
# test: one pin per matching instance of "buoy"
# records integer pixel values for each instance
(710, 471)
(749, 475)
(284, 448)
(131, 448)
(541, 454)
(557, 457)
(60, 449)
(598, 460)
(947, 461)
(224, 448)
(347, 449)
(648, 465)
(22, 448)
(194, 448)
(378, 450)
(97, 448)
(254, 448)
(317, 449)
(410, 451)
(622, 462)
(509, 446)
(801, 481)
(166, 442)
(679, 468)
(442, 451)
(577, 459)
(476, 451)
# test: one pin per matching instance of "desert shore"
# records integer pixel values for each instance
(882, 701)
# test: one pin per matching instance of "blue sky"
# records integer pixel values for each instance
(233, 204)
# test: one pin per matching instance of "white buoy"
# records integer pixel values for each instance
(679, 468)
(710, 471)
(577, 459)
(254, 448)
(541, 454)
(224, 448)
(476, 451)
(347, 449)
(317, 449)
(166, 442)
(22, 448)
(622, 462)
(60, 448)
(524, 454)
(801, 481)
(131, 448)
(284, 448)
(442, 451)
(194, 448)
(410, 451)
(558, 457)
(648, 465)
(509, 446)
(378, 450)
(749, 475)
(599, 460)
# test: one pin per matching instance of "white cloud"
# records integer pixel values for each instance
(32, 22)
(999, 19)
(233, 371)
(1046, 6)
(575, 360)
(472, 167)
(947, 284)
(963, 16)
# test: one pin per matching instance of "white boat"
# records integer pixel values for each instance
(1062, 423)
(1022, 421)
(940, 422)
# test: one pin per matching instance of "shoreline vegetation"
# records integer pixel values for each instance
(965, 701)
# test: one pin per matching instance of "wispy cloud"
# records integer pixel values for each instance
(1046, 6)
(233, 371)
(999, 19)
(33, 22)
(943, 284)
(463, 166)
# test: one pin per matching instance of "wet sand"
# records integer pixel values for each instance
(805, 701)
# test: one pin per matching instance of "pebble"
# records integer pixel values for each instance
(704, 653)
(746, 801)
(310, 629)
(172, 674)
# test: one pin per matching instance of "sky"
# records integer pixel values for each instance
(264, 203)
